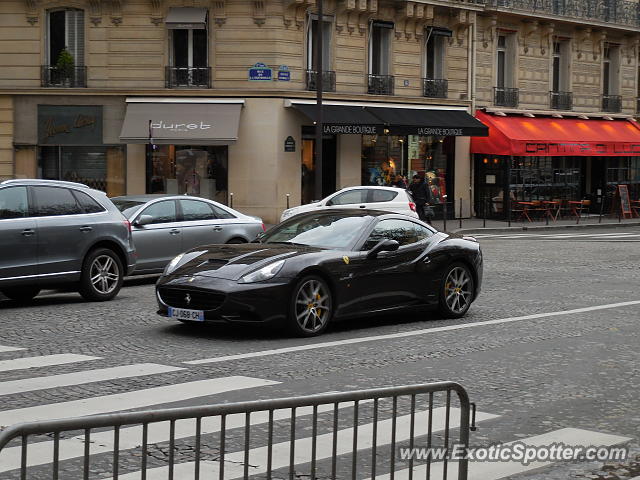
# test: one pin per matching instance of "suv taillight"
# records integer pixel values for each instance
(264, 229)
(412, 206)
(127, 224)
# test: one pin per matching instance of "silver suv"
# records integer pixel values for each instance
(58, 234)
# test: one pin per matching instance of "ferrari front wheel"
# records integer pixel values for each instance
(456, 292)
(311, 307)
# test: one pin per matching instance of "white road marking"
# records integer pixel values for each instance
(43, 361)
(559, 235)
(496, 470)
(411, 333)
(41, 453)
(7, 348)
(130, 400)
(83, 377)
(234, 462)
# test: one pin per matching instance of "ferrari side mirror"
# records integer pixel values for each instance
(385, 245)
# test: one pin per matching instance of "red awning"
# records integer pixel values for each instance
(554, 137)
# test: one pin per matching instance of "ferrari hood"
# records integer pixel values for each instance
(233, 261)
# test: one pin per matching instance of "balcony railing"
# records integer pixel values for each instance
(188, 77)
(380, 84)
(561, 100)
(505, 97)
(612, 103)
(621, 12)
(435, 87)
(73, 77)
(328, 80)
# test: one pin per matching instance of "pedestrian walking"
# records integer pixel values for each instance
(423, 197)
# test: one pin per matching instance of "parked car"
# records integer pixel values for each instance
(166, 225)
(55, 234)
(322, 266)
(389, 199)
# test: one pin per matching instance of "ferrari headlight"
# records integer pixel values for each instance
(172, 264)
(265, 273)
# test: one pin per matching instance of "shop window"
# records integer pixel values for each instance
(13, 203)
(99, 167)
(54, 201)
(64, 48)
(195, 170)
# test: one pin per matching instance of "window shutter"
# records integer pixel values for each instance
(75, 35)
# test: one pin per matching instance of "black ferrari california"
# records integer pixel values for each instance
(323, 266)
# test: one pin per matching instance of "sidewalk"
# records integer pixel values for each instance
(478, 225)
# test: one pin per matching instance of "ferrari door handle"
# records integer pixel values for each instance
(86, 228)
(175, 231)
(28, 232)
(363, 206)
(217, 229)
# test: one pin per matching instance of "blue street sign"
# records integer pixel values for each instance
(260, 73)
(284, 75)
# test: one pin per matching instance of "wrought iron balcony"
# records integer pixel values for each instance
(561, 100)
(328, 80)
(506, 97)
(72, 77)
(435, 87)
(188, 77)
(612, 103)
(620, 12)
(380, 84)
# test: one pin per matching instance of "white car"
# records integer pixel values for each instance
(392, 199)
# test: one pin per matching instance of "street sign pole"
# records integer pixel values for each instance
(319, 120)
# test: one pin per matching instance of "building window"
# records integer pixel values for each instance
(611, 99)
(380, 81)
(505, 93)
(561, 97)
(101, 167)
(192, 170)
(329, 77)
(435, 84)
(189, 57)
(64, 49)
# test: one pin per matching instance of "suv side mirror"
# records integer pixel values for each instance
(143, 220)
(385, 245)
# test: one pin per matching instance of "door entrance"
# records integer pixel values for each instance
(308, 168)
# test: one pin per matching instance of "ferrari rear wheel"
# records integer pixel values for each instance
(457, 290)
(311, 307)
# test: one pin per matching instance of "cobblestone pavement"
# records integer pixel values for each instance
(538, 374)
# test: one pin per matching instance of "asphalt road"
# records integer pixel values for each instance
(546, 347)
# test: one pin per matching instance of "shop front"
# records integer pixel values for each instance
(393, 144)
(186, 142)
(560, 160)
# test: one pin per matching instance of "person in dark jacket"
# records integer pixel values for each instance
(422, 196)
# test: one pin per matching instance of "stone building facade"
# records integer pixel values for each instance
(234, 80)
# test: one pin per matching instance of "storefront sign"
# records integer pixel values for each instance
(351, 129)
(290, 144)
(625, 203)
(284, 74)
(260, 73)
(69, 125)
(613, 148)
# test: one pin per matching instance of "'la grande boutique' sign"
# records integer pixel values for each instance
(69, 124)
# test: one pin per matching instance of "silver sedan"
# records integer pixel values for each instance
(166, 225)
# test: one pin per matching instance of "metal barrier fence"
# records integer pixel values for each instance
(221, 441)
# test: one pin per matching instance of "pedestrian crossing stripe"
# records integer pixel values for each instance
(43, 361)
(131, 400)
(496, 470)
(129, 438)
(7, 348)
(234, 462)
(83, 377)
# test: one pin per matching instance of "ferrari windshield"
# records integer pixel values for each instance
(336, 231)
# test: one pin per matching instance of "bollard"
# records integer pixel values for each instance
(444, 213)
(288, 195)
(484, 219)
(601, 207)
(231, 199)
(460, 218)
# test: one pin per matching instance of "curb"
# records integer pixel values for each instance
(542, 228)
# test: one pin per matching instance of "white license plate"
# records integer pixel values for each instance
(184, 314)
